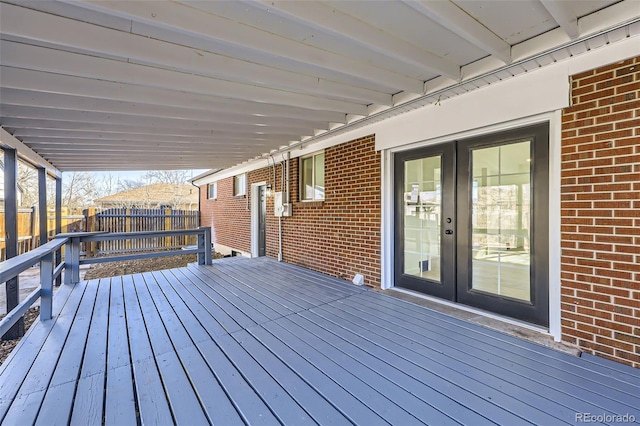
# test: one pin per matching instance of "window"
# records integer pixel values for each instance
(312, 177)
(212, 191)
(240, 185)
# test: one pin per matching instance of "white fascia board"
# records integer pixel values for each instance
(295, 151)
(539, 91)
(7, 140)
(529, 94)
(616, 52)
(526, 95)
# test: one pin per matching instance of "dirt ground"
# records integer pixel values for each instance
(104, 270)
(6, 346)
(114, 269)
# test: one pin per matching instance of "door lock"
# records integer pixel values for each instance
(448, 231)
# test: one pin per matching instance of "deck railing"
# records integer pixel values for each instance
(49, 271)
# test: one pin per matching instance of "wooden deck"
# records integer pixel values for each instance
(254, 341)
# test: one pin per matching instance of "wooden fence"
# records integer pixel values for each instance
(29, 228)
(141, 220)
(111, 220)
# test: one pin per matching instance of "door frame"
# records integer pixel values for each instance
(446, 286)
(255, 211)
(554, 119)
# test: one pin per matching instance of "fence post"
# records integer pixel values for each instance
(127, 226)
(46, 287)
(90, 220)
(167, 226)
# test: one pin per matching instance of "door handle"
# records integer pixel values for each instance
(448, 231)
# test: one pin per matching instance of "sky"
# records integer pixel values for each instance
(136, 175)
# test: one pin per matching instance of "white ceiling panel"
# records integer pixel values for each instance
(125, 85)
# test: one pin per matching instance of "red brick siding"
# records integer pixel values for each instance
(228, 216)
(600, 213)
(339, 236)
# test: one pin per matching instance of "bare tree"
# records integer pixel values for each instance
(176, 177)
(109, 184)
(27, 185)
(128, 184)
(79, 189)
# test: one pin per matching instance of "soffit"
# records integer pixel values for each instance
(115, 85)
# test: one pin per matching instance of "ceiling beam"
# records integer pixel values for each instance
(562, 12)
(55, 100)
(40, 81)
(80, 116)
(450, 16)
(328, 19)
(32, 25)
(43, 59)
(216, 140)
(7, 140)
(54, 136)
(195, 19)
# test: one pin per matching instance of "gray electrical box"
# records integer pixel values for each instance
(280, 208)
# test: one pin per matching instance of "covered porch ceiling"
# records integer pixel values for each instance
(133, 85)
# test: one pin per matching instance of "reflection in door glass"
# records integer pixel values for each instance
(422, 211)
(501, 218)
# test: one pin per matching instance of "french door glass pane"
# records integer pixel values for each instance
(422, 213)
(501, 218)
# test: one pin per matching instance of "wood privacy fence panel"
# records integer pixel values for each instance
(29, 231)
(138, 219)
(111, 220)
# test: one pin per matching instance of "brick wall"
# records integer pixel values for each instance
(228, 216)
(339, 236)
(601, 213)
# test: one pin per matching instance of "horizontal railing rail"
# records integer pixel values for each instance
(45, 256)
(11, 268)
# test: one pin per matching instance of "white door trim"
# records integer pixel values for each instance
(554, 119)
(255, 212)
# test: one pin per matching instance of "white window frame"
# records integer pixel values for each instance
(240, 185)
(212, 191)
(313, 177)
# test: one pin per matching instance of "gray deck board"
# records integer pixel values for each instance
(61, 389)
(310, 388)
(15, 368)
(168, 339)
(32, 389)
(222, 323)
(263, 301)
(119, 393)
(427, 362)
(495, 368)
(152, 403)
(88, 402)
(482, 356)
(390, 401)
(255, 341)
(545, 364)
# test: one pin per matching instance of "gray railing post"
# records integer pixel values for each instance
(207, 246)
(72, 261)
(200, 239)
(46, 286)
(204, 243)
